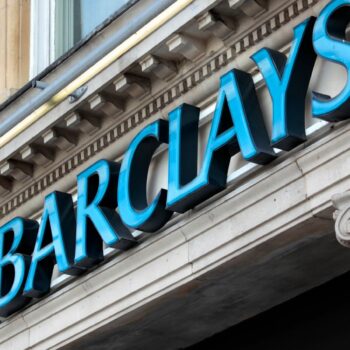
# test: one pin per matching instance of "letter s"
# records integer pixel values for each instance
(330, 43)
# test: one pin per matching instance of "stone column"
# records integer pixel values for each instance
(14, 45)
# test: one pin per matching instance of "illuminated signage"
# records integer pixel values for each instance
(74, 240)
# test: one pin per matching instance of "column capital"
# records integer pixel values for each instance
(341, 215)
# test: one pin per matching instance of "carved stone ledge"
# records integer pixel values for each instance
(17, 169)
(61, 138)
(132, 85)
(35, 154)
(265, 30)
(188, 47)
(252, 8)
(107, 104)
(162, 69)
(341, 203)
(85, 122)
(219, 26)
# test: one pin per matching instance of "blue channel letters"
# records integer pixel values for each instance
(55, 243)
(288, 81)
(237, 125)
(112, 198)
(132, 187)
(331, 44)
(17, 239)
(97, 219)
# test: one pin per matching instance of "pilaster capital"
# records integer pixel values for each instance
(341, 215)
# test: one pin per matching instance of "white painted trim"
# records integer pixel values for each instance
(42, 23)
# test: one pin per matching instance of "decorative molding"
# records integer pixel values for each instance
(219, 26)
(132, 85)
(104, 101)
(41, 156)
(190, 48)
(83, 121)
(341, 203)
(18, 170)
(161, 68)
(64, 139)
(252, 8)
(5, 185)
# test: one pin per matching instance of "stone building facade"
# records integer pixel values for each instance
(267, 238)
(14, 41)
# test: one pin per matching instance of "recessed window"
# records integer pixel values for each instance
(57, 25)
(75, 19)
(94, 12)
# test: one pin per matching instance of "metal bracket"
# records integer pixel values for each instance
(39, 84)
(73, 97)
(77, 94)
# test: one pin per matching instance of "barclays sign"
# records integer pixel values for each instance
(112, 197)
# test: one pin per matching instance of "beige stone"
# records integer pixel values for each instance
(14, 45)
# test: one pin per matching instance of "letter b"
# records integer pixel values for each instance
(17, 239)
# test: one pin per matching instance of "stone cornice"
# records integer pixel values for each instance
(151, 106)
